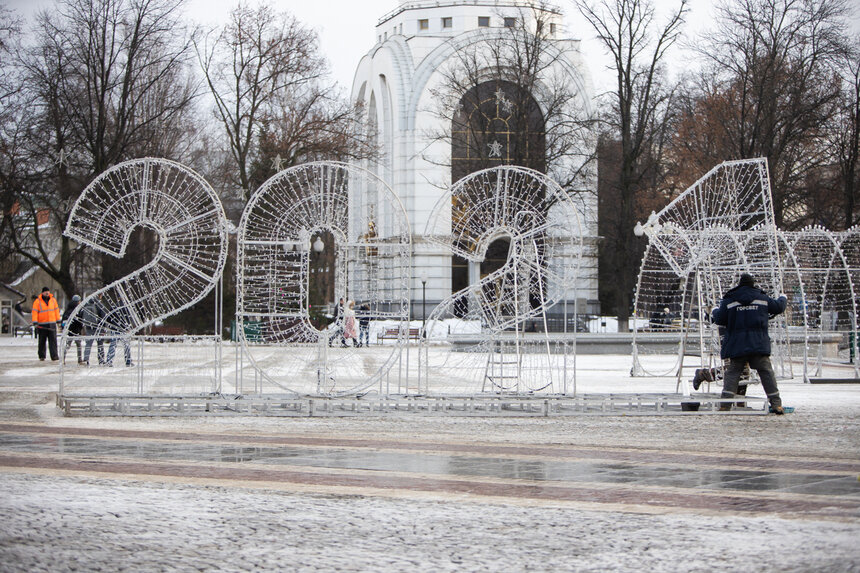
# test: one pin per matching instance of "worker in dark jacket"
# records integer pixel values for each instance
(92, 315)
(744, 312)
(74, 329)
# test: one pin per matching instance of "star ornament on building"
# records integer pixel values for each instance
(495, 149)
(500, 96)
(503, 102)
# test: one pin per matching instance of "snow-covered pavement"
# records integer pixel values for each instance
(590, 493)
(67, 523)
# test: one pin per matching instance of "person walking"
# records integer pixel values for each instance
(92, 315)
(744, 311)
(74, 329)
(364, 325)
(349, 330)
(45, 316)
(119, 325)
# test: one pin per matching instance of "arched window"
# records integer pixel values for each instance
(496, 123)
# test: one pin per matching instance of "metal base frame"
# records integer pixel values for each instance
(373, 405)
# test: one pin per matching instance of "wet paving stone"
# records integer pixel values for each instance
(689, 476)
(825, 484)
(831, 486)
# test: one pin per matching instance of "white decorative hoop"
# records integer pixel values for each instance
(189, 221)
(486, 346)
(370, 237)
(719, 228)
(699, 244)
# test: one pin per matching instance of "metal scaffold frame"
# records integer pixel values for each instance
(486, 347)
(699, 245)
(370, 259)
(186, 216)
(475, 355)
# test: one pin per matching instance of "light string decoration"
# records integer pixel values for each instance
(821, 282)
(310, 236)
(492, 336)
(699, 245)
(187, 218)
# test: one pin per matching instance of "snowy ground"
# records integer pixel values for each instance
(67, 524)
(63, 521)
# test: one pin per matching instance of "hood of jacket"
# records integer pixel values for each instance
(745, 294)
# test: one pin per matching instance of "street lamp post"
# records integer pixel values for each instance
(318, 282)
(423, 278)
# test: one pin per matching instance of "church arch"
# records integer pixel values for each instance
(497, 123)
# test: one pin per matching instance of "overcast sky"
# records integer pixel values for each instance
(347, 28)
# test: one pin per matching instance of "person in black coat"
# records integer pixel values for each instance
(338, 324)
(119, 325)
(74, 329)
(744, 311)
(364, 325)
(92, 315)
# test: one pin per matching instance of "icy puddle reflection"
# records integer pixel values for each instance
(442, 464)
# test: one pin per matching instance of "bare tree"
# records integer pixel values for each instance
(259, 58)
(10, 31)
(10, 136)
(844, 134)
(102, 80)
(638, 118)
(510, 97)
(309, 124)
(119, 71)
(771, 70)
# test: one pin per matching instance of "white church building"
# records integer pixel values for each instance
(408, 84)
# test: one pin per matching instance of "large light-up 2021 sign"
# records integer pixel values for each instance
(368, 245)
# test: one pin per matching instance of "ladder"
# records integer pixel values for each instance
(502, 372)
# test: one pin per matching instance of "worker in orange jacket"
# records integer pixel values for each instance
(46, 315)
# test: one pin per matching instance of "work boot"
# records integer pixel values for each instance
(778, 410)
(697, 379)
(703, 375)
